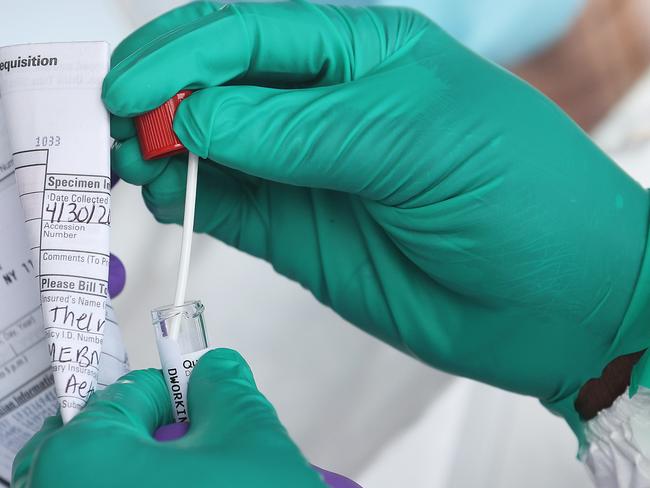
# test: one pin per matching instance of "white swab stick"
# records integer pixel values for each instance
(186, 244)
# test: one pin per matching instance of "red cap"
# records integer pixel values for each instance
(156, 132)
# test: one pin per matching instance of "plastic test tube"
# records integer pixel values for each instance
(179, 349)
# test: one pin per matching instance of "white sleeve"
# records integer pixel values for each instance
(618, 453)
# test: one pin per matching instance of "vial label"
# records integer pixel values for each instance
(177, 369)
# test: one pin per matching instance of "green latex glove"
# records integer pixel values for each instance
(426, 195)
(235, 438)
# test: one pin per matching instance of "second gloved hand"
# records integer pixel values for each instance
(428, 196)
(235, 438)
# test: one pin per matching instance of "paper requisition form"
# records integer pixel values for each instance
(58, 334)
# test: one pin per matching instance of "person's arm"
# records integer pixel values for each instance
(597, 62)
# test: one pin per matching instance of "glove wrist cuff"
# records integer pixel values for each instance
(627, 350)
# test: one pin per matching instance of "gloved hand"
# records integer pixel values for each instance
(426, 195)
(235, 438)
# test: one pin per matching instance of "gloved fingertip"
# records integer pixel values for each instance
(122, 97)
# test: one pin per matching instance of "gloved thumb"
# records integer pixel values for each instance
(224, 402)
(312, 137)
(138, 401)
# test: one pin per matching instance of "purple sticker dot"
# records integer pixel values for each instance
(334, 480)
(114, 179)
(116, 276)
(171, 432)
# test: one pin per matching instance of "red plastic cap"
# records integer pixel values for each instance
(156, 131)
